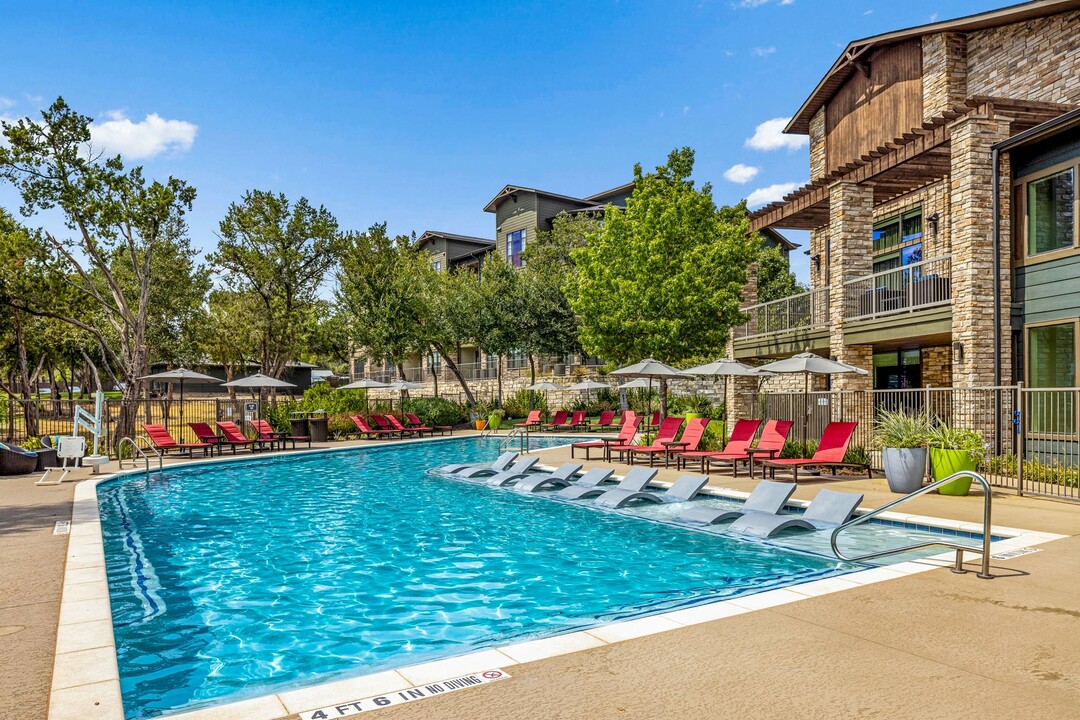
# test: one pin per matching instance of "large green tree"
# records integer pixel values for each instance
(663, 278)
(280, 252)
(110, 211)
(774, 277)
(500, 307)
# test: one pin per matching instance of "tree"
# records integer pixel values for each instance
(281, 253)
(499, 306)
(228, 336)
(110, 210)
(663, 278)
(774, 277)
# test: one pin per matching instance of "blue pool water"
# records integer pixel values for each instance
(239, 579)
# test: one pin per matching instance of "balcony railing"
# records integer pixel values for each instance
(912, 287)
(798, 312)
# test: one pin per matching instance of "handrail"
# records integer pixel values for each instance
(958, 565)
(912, 266)
(139, 446)
(522, 434)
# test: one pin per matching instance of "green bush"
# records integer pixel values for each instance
(33, 443)
(946, 437)
(899, 429)
(278, 414)
(340, 426)
(698, 403)
(797, 449)
(715, 436)
(517, 405)
(321, 396)
(857, 455)
(437, 411)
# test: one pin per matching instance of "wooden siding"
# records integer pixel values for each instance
(549, 207)
(508, 209)
(1049, 291)
(866, 112)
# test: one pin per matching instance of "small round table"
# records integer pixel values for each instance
(608, 442)
(770, 453)
(670, 446)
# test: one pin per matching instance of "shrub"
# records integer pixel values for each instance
(33, 443)
(946, 437)
(437, 411)
(715, 435)
(797, 449)
(697, 403)
(517, 405)
(857, 454)
(278, 414)
(340, 426)
(321, 396)
(899, 429)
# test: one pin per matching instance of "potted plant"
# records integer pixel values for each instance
(495, 418)
(952, 450)
(902, 438)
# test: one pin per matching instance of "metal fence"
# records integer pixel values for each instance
(797, 312)
(911, 287)
(1032, 435)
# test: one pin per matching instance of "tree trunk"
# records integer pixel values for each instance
(663, 397)
(457, 373)
(434, 375)
(532, 369)
(401, 371)
(498, 380)
(29, 406)
(229, 378)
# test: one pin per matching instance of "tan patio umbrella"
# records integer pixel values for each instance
(544, 386)
(364, 384)
(653, 369)
(180, 375)
(726, 368)
(810, 364)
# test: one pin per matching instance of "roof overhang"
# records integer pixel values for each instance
(511, 190)
(430, 235)
(846, 64)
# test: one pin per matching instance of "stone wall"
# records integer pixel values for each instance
(937, 366)
(817, 145)
(944, 72)
(851, 213)
(1034, 60)
(934, 198)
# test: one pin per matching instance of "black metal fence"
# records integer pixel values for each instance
(1032, 435)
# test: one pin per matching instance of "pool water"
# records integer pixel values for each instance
(235, 580)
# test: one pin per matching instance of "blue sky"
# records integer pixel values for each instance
(417, 113)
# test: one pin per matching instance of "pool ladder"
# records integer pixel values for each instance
(522, 435)
(958, 565)
(139, 446)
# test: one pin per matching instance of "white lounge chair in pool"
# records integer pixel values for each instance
(503, 462)
(559, 477)
(829, 509)
(636, 480)
(591, 479)
(514, 473)
(685, 488)
(768, 497)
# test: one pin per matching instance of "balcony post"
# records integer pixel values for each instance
(851, 223)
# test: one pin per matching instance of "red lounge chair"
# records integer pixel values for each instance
(667, 432)
(607, 417)
(691, 438)
(557, 421)
(655, 422)
(626, 436)
(773, 438)
(208, 435)
(367, 431)
(266, 432)
(382, 424)
(741, 437)
(577, 420)
(400, 429)
(830, 453)
(161, 439)
(232, 435)
(414, 422)
(532, 421)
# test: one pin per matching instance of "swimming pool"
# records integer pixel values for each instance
(234, 580)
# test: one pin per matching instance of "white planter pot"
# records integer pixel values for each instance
(905, 468)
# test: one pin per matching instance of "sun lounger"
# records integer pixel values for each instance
(577, 420)
(558, 420)
(232, 435)
(382, 424)
(741, 436)
(636, 480)
(829, 509)
(667, 432)
(626, 436)
(685, 488)
(830, 453)
(161, 439)
(266, 432)
(416, 424)
(208, 435)
(515, 472)
(767, 497)
(591, 478)
(773, 438)
(503, 462)
(368, 431)
(532, 421)
(607, 418)
(691, 438)
(400, 429)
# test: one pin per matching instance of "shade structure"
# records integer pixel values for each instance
(726, 368)
(649, 368)
(403, 385)
(586, 385)
(810, 364)
(636, 384)
(364, 384)
(545, 386)
(180, 375)
(258, 380)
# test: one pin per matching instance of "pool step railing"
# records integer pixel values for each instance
(520, 434)
(958, 565)
(139, 447)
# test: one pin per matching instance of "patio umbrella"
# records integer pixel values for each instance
(727, 368)
(651, 369)
(810, 364)
(544, 387)
(586, 386)
(259, 382)
(364, 384)
(638, 384)
(403, 386)
(180, 375)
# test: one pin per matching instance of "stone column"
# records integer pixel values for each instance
(851, 226)
(973, 279)
(944, 72)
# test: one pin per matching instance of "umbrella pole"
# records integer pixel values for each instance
(181, 430)
(806, 402)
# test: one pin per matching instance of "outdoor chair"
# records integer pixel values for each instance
(691, 438)
(830, 453)
(635, 480)
(605, 421)
(515, 472)
(577, 420)
(208, 435)
(14, 460)
(666, 434)
(414, 422)
(233, 436)
(400, 429)
(383, 424)
(532, 421)
(560, 478)
(163, 442)
(684, 489)
(767, 497)
(367, 431)
(266, 432)
(741, 436)
(626, 436)
(556, 422)
(500, 463)
(826, 511)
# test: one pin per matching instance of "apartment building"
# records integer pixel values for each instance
(941, 207)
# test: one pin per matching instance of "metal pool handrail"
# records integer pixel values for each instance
(958, 566)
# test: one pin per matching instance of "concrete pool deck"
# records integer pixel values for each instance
(931, 644)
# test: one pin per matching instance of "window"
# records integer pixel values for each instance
(1051, 362)
(905, 256)
(436, 266)
(516, 360)
(1051, 205)
(898, 230)
(515, 246)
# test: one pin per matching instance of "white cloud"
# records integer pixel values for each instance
(150, 137)
(6, 102)
(763, 51)
(772, 193)
(759, 3)
(740, 173)
(685, 109)
(769, 135)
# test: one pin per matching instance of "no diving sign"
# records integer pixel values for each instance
(398, 697)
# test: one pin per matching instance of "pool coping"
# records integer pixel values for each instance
(86, 676)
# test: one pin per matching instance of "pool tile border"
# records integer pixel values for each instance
(86, 677)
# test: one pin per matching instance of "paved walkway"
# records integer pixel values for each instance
(931, 645)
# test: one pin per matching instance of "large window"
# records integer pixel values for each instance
(898, 230)
(1051, 206)
(515, 246)
(1051, 361)
(516, 360)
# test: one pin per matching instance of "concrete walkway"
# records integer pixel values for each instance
(931, 645)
